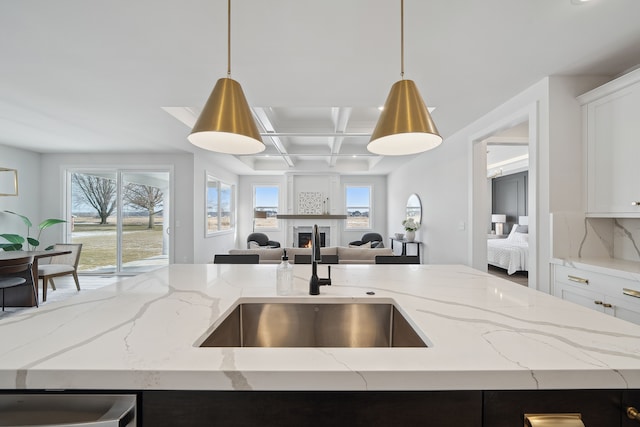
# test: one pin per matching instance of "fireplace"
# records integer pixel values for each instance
(302, 236)
(304, 240)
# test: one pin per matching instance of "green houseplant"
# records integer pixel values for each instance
(17, 242)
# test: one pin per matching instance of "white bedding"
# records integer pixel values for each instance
(511, 253)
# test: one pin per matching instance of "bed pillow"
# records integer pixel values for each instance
(519, 237)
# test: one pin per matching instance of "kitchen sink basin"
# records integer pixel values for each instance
(313, 324)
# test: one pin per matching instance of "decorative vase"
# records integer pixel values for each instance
(410, 236)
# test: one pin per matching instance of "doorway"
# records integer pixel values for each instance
(516, 129)
(122, 219)
(507, 188)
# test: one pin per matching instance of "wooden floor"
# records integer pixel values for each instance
(519, 277)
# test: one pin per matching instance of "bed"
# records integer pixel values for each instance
(511, 253)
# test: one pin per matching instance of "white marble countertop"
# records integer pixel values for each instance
(486, 333)
(614, 267)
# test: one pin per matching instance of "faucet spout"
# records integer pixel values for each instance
(315, 282)
(315, 244)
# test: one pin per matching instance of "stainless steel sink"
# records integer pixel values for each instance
(313, 324)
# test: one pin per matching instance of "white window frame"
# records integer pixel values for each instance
(255, 186)
(371, 214)
(209, 178)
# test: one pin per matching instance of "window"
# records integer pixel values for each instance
(225, 211)
(265, 206)
(219, 205)
(121, 217)
(358, 204)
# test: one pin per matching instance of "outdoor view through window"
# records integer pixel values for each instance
(265, 207)
(121, 231)
(358, 204)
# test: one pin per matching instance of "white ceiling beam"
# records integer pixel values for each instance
(317, 134)
(340, 117)
(263, 120)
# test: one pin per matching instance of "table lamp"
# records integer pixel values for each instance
(499, 220)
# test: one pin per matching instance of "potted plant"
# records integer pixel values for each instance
(17, 242)
(410, 226)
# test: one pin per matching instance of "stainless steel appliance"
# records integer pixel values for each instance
(68, 410)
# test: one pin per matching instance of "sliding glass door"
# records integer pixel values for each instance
(121, 217)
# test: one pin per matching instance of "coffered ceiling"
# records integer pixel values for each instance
(130, 76)
(308, 138)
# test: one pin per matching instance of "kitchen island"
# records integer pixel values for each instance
(483, 333)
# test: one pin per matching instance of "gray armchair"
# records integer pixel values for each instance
(374, 238)
(262, 240)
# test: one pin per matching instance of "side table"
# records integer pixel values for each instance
(404, 243)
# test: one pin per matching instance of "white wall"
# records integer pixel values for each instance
(41, 178)
(311, 182)
(446, 176)
(27, 202)
(566, 155)
(380, 206)
(245, 207)
(205, 247)
(438, 177)
(182, 227)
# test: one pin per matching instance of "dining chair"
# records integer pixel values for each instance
(236, 259)
(9, 270)
(395, 259)
(306, 259)
(60, 265)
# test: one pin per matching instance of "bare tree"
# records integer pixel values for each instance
(98, 192)
(145, 197)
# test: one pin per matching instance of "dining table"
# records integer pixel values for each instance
(23, 296)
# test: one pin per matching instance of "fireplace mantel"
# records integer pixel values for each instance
(320, 216)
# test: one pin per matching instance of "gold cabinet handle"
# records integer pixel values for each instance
(631, 292)
(578, 279)
(604, 304)
(633, 414)
(541, 420)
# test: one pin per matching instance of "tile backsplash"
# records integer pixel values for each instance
(626, 239)
(575, 236)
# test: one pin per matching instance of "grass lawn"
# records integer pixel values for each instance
(99, 241)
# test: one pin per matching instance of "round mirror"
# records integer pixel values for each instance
(414, 208)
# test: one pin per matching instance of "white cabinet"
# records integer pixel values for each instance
(624, 307)
(608, 294)
(612, 133)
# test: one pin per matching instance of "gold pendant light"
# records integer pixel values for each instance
(226, 124)
(405, 125)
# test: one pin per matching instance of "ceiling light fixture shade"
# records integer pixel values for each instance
(405, 125)
(226, 123)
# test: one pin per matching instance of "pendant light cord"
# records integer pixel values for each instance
(402, 39)
(229, 38)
